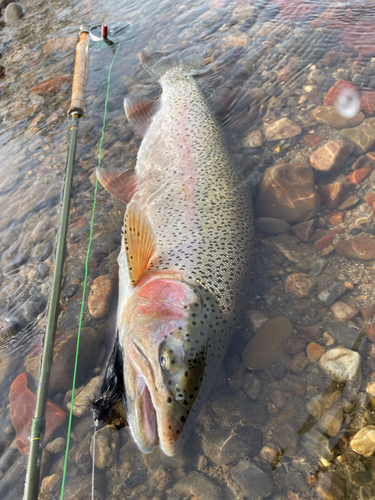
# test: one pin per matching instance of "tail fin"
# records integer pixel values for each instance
(184, 63)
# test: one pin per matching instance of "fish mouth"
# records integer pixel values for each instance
(148, 416)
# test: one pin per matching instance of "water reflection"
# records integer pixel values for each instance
(269, 71)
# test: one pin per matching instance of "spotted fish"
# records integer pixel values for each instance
(184, 261)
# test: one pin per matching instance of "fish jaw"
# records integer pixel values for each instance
(163, 372)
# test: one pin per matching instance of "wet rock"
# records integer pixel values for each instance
(349, 202)
(314, 352)
(199, 486)
(368, 311)
(288, 438)
(50, 484)
(22, 403)
(367, 103)
(13, 11)
(304, 230)
(235, 40)
(52, 85)
(252, 386)
(64, 356)
(335, 218)
(312, 140)
(298, 363)
(346, 335)
(331, 421)
(158, 459)
(331, 117)
(371, 332)
(363, 442)
(282, 129)
(225, 446)
(327, 240)
(60, 44)
(161, 479)
(333, 195)
(360, 247)
(331, 156)
(330, 58)
(80, 404)
(330, 486)
(294, 345)
(105, 447)
(315, 444)
(302, 255)
(271, 225)
(8, 177)
(299, 285)
(341, 364)
(288, 191)
(256, 319)
(317, 267)
(56, 446)
(254, 483)
(328, 296)
(343, 312)
(44, 230)
(335, 91)
(253, 140)
(370, 387)
(359, 175)
(363, 136)
(100, 296)
(265, 347)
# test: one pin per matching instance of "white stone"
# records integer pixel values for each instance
(343, 312)
(340, 363)
(363, 442)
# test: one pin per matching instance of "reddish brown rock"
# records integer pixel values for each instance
(294, 9)
(330, 58)
(360, 247)
(304, 230)
(52, 85)
(368, 311)
(100, 296)
(60, 44)
(334, 194)
(332, 155)
(22, 405)
(371, 332)
(282, 129)
(330, 116)
(312, 140)
(371, 156)
(288, 192)
(299, 285)
(370, 199)
(314, 351)
(361, 37)
(335, 218)
(327, 240)
(359, 175)
(368, 102)
(336, 89)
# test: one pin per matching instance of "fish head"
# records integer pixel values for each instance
(166, 377)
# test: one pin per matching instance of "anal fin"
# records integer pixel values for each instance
(140, 242)
(119, 183)
(139, 112)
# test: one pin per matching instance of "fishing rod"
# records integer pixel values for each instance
(39, 421)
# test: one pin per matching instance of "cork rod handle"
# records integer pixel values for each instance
(80, 72)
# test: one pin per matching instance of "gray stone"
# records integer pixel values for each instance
(254, 483)
(317, 267)
(363, 136)
(225, 446)
(13, 11)
(199, 486)
(56, 446)
(328, 296)
(347, 336)
(271, 225)
(252, 386)
(105, 446)
(315, 444)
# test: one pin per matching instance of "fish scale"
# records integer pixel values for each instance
(184, 260)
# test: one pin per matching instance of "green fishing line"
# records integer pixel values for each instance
(85, 280)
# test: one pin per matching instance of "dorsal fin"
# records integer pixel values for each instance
(120, 183)
(139, 111)
(140, 242)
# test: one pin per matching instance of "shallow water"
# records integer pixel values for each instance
(265, 60)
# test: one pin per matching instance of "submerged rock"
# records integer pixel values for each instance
(13, 11)
(254, 483)
(299, 285)
(266, 347)
(363, 442)
(288, 192)
(341, 364)
(271, 225)
(332, 155)
(363, 136)
(22, 404)
(105, 446)
(333, 195)
(282, 129)
(100, 296)
(330, 486)
(199, 486)
(360, 247)
(52, 85)
(343, 312)
(331, 117)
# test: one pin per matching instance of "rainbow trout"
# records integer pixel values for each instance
(184, 260)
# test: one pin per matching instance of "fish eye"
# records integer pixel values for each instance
(171, 360)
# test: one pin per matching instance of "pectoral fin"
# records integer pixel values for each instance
(139, 112)
(119, 183)
(140, 242)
